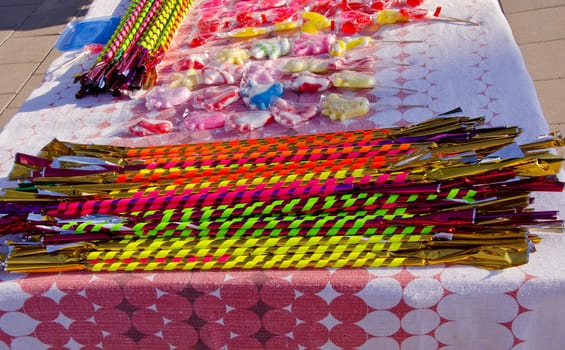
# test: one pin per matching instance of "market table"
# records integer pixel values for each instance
(477, 68)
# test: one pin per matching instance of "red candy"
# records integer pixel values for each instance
(357, 6)
(195, 62)
(216, 75)
(215, 98)
(354, 21)
(309, 82)
(250, 19)
(386, 4)
(413, 13)
(199, 40)
(414, 3)
(146, 127)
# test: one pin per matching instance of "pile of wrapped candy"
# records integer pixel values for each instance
(240, 65)
(446, 191)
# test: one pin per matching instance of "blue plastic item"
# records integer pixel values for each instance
(87, 31)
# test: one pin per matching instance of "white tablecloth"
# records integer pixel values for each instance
(478, 68)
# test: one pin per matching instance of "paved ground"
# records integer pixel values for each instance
(30, 28)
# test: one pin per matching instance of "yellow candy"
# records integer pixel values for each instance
(340, 108)
(293, 66)
(282, 26)
(390, 17)
(248, 32)
(340, 46)
(296, 65)
(187, 79)
(314, 22)
(352, 79)
(233, 55)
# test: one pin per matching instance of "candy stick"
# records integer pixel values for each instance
(312, 176)
(130, 31)
(68, 209)
(516, 254)
(167, 188)
(262, 170)
(252, 201)
(315, 204)
(258, 161)
(176, 244)
(242, 232)
(327, 204)
(357, 176)
(124, 26)
(323, 220)
(147, 16)
(282, 163)
(149, 203)
(349, 222)
(180, 12)
(96, 79)
(191, 246)
(180, 173)
(298, 141)
(260, 155)
(380, 211)
(187, 249)
(163, 256)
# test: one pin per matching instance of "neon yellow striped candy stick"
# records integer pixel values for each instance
(198, 247)
(252, 257)
(313, 260)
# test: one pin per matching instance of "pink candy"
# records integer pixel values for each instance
(259, 73)
(249, 6)
(288, 115)
(312, 44)
(160, 97)
(215, 98)
(204, 120)
(248, 120)
(309, 82)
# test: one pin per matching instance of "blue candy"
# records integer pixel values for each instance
(261, 96)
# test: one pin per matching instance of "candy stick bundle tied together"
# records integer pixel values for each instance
(128, 60)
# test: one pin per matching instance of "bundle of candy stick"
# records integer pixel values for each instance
(445, 191)
(128, 60)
